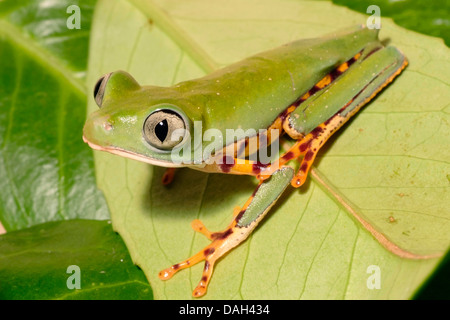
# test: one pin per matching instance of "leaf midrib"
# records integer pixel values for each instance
(355, 212)
(173, 31)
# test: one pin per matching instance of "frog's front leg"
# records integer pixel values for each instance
(244, 222)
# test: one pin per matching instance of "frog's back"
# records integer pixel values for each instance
(250, 94)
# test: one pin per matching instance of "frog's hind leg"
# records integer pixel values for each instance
(244, 221)
(307, 147)
(380, 76)
(311, 144)
(372, 75)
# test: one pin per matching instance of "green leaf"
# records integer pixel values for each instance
(428, 17)
(34, 263)
(379, 192)
(46, 171)
(45, 23)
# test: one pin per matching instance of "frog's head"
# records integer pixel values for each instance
(146, 123)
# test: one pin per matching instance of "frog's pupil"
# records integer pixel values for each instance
(161, 130)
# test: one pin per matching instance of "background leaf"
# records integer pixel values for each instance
(387, 167)
(46, 171)
(34, 263)
(45, 23)
(428, 17)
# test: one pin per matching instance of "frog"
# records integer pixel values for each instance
(300, 93)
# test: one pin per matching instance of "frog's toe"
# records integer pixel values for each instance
(198, 226)
(202, 286)
(209, 254)
(166, 274)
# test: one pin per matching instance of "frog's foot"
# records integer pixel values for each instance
(168, 176)
(244, 222)
(221, 244)
(207, 254)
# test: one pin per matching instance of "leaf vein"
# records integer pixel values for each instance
(316, 254)
(292, 236)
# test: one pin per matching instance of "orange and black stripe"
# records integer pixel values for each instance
(328, 79)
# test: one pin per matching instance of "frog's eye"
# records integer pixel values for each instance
(164, 129)
(99, 89)
(113, 86)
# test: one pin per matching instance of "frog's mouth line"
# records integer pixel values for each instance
(134, 156)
